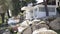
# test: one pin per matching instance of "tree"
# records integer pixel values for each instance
(46, 8)
(3, 9)
(17, 4)
(31, 1)
(58, 11)
(16, 7)
(9, 5)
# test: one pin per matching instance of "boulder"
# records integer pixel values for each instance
(25, 23)
(35, 21)
(40, 25)
(49, 18)
(24, 30)
(44, 31)
(6, 32)
(55, 24)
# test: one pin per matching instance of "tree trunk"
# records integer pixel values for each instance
(3, 17)
(8, 14)
(46, 8)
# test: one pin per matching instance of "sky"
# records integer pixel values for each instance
(39, 1)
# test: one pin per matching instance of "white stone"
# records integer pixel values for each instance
(39, 25)
(24, 30)
(26, 23)
(44, 31)
(13, 20)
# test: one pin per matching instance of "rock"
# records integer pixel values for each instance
(25, 23)
(55, 24)
(36, 21)
(13, 21)
(40, 25)
(49, 18)
(42, 22)
(24, 30)
(44, 31)
(7, 32)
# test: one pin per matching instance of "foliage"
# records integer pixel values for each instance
(18, 4)
(58, 31)
(16, 7)
(3, 9)
(29, 1)
(3, 5)
(58, 9)
(9, 3)
(23, 3)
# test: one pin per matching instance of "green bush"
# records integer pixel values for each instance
(58, 9)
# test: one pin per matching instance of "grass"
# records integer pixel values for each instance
(58, 31)
(0, 21)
